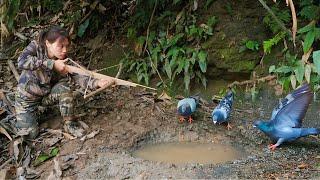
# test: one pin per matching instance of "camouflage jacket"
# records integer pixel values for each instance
(38, 76)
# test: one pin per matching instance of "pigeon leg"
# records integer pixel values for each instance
(229, 127)
(190, 119)
(181, 119)
(274, 146)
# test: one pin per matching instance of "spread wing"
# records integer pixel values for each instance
(292, 109)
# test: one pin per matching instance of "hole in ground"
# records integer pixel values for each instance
(188, 152)
(193, 148)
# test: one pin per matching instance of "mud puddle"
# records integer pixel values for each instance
(188, 152)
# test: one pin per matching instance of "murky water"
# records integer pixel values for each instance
(189, 152)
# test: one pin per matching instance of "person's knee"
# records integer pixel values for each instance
(66, 104)
(27, 125)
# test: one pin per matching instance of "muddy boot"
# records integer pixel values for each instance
(74, 128)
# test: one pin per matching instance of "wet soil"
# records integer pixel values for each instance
(128, 119)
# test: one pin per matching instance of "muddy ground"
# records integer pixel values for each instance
(128, 118)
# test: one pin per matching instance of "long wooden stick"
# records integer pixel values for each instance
(98, 90)
(73, 69)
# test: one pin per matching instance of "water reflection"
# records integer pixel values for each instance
(188, 152)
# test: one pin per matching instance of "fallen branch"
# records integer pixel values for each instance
(5, 163)
(68, 136)
(14, 70)
(120, 70)
(263, 79)
(3, 131)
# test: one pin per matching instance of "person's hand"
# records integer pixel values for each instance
(60, 66)
(105, 82)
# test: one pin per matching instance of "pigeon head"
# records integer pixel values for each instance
(217, 117)
(229, 95)
(214, 119)
(184, 110)
(262, 125)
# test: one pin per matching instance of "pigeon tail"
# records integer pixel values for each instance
(309, 131)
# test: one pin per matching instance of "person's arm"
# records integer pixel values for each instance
(85, 81)
(91, 83)
(28, 59)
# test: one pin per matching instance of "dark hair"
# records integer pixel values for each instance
(52, 34)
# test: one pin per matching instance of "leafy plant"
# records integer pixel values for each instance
(44, 156)
(296, 71)
(83, 27)
(208, 3)
(249, 44)
(53, 5)
(13, 7)
(268, 44)
(309, 10)
(312, 33)
(172, 50)
(282, 14)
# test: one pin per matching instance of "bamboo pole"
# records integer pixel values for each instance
(83, 71)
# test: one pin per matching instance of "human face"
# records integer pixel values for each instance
(58, 49)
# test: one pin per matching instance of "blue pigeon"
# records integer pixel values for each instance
(187, 106)
(222, 112)
(286, 119)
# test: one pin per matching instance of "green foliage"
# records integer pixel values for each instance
(208, 3)
(53, 5)
(44, 156)
(249, 44)
(311, 33)
(229, 8)
(282, 14)
(295, 71)
(82, 28)
(308, 10)
(174, 47)
(268, 44)
(11, 12)
(316, 61)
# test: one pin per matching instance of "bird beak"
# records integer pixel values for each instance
(254, 126)
(214, 122)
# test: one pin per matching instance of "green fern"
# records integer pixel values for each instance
(267, 45)
(282, 14)
(309, 10)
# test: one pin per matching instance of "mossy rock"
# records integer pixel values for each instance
(231, 60)
(234, 28)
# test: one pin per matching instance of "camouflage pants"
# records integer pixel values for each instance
(27, 113)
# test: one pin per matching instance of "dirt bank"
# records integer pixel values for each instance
(129, 118)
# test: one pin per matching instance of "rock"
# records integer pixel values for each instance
(231, 32)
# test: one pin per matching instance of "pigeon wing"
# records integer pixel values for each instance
(292, 109)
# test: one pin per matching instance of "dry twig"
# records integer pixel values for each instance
(14, 70)
(253, 81)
